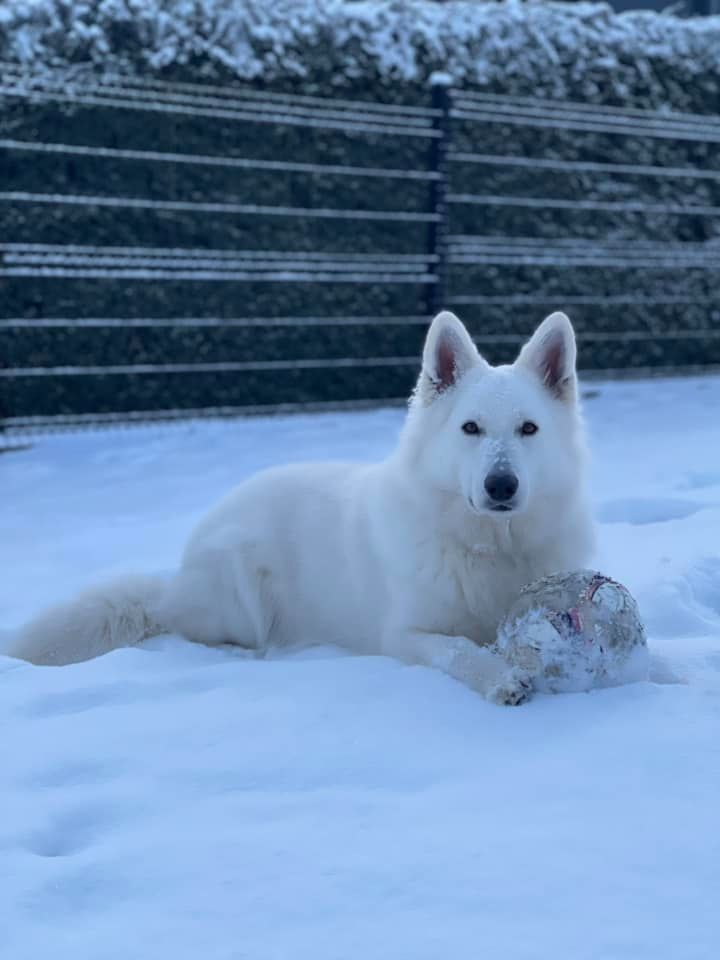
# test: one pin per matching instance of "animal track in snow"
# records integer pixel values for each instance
(66, 833)
(122, 693)
(643, 511)
(704, 580)
(79, 700)
(700, 480)
(70, 775)
(713, 661)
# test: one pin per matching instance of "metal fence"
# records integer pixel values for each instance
(171, 250)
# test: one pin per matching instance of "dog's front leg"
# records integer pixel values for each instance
(477, 667)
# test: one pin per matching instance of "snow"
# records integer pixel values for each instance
(173, 801)
(557, 49)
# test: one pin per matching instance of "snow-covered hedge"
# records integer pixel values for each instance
(386, 47)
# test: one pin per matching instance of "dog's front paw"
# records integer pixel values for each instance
(512, 690)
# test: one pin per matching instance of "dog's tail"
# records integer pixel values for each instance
(120, 613)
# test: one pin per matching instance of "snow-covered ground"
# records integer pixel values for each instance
(177, 802)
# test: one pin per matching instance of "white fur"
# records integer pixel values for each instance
(403, 557)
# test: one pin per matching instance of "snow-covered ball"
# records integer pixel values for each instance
(574, 631)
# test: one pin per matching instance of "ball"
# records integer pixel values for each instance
(571, 632)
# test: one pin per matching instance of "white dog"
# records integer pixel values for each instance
(418, 557)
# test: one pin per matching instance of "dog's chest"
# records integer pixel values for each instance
(479, 587)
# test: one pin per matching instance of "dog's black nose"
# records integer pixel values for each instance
(501, 487)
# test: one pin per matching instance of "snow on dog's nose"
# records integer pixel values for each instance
(501, 487)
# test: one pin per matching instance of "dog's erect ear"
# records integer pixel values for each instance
(551, 353)
(448, 355)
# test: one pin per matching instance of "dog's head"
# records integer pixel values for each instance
(504, 438)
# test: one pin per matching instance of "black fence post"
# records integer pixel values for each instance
(440, 146)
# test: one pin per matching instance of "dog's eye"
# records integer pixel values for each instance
(471, 428)
(528, 428)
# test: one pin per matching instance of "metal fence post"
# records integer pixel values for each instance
(437, 239)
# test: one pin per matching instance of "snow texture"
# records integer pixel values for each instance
(175, 801)
(582, 50)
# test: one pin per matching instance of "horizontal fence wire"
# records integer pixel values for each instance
(582, 166)
(80, 253)
(43, 424)
(257, 276)
(19, 426)
(199, 206)
(572, 300)
(154, 88)
(227, 97)
(412, 278)
(239, 276)
(606, 206)
(582, 125)
(334, 363)
(262, 322)
(240, 163)
(234, 105)
(239, 366)
(557, 115)
(564, 252)
(277, 118)
(48, 260)
(541, 104)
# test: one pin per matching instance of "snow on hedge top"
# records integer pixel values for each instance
(557, 49)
